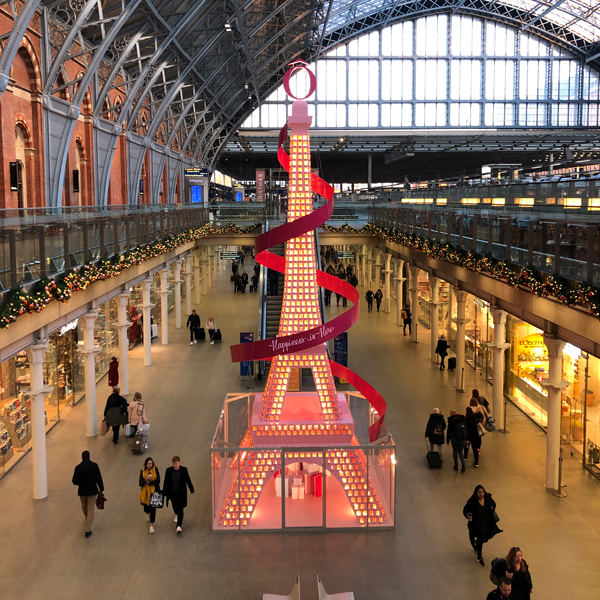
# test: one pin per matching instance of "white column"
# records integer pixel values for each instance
(388, 272)
(414, 301)
(217, 260)
(205, 271)
(450, 312)
(378, 269)
(123, 324)
(363, 269)
(188, 284)
(177, 283)
(461, 321)
(147, 308)
(554, 385)
(211, 259)
(499, 346)
(164, 306)
(38, 392)
(434, 286)
(197, 277)
(89, 371)
(369, 278)
(399, 291)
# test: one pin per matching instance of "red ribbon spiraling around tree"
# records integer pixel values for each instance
(266, 349)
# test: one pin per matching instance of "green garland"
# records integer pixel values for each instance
(78, 278)
(528, 278)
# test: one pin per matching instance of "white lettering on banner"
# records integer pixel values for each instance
(68, 327)
(285, 345)
(260, 186)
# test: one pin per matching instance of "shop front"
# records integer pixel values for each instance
(526, 373)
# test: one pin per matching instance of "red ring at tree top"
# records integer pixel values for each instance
(299, 64)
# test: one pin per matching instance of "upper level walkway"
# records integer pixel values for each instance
(428, 553)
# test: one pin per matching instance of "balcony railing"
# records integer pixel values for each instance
(569, 246)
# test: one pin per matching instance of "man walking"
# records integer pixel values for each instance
(115, 412)
(456, 434)
(177, 481)
(89, 481)
(193, 324)
(503, 591)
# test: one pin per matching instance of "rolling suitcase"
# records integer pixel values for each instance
(201, 334)
(217, 336)
(451, 363)
(434, 460)
(137, 447)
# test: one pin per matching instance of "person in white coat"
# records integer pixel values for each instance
(137, 412)
(211, 326)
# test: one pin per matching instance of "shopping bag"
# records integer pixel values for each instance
(490, 424)
(100, 500)
(103, 427)
(129, 430)
(156, 500)
(481, 430)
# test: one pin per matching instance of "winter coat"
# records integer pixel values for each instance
(353, 281)
(193, 321)
(184, 483)
(452, 422)
(435, 422)
(488, 528)
(115, 410)
(442, 348)
(497, 595)
(149, 488)
(88, 479)
(135, 416)
(113, 373)
(210, 324)
(408, 318)
(521, 582)
(378, 297)
(369, 296)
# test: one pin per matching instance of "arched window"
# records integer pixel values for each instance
(21, 137)
(449, 71)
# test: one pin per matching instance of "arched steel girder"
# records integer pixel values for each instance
(10, 49)
(487, 9)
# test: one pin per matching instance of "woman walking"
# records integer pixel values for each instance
(442, 351)
(137, 412)
(475, 417)
(378, 298)
(480, 512)
(113, 372)
(211, 326)
(150, 483)
(434, 431)
(521, 578)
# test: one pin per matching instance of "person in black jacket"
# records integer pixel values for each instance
(177, 482)
(456, 434)
(115, 413)
(273, 279)
(434, 431)
(407, 319)
(369, 298)
(504, 591)
(193, 323)
(442, 351)
(519, 573)
(480, 511)
(243, 282)
(378, 299)
(88, 480)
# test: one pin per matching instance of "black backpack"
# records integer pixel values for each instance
(460, 430)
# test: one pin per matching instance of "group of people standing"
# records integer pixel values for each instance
(90, 489)
(345, 274)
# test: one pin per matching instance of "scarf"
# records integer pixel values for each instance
(147, 490)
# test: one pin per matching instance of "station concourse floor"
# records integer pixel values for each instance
(427, 556)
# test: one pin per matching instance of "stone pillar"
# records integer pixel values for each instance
(378, 269)
(89, 371)
(363, 268)
(414, 300)
(147, 308)
(188, 284)
(461, 321)
(387, 271)
(205, 271)
(399, 291)
(197, 277)
(499, 346)
(38, 392)
(217, 263)
(450, 312)
(554, 385)
(369, 278)
(434, 286)
(210, 255)
(164, 306)
(123, 324)
(177, 283)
